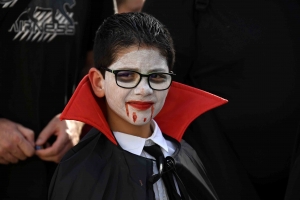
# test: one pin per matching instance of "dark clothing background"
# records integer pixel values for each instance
(247, 52)
(37, 76)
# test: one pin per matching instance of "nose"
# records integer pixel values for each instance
(143, 88)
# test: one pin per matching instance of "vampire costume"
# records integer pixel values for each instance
(98, 168)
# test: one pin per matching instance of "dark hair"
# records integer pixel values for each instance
(120, 31)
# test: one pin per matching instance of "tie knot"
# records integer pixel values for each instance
(154, 151)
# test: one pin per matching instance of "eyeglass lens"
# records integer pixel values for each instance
(157, 81)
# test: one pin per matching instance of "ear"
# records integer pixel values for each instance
(97, 82)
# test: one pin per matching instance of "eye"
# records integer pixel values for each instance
(126, 76)
(158, 77)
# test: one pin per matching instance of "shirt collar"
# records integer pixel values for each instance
(135, 144)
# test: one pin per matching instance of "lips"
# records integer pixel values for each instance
(140, 105)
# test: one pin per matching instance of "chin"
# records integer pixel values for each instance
(140, 122)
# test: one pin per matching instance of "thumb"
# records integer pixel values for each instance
(45, 134)
(27, 133)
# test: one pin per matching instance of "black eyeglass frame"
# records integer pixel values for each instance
(115, 72)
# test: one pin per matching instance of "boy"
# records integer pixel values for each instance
(129, 155)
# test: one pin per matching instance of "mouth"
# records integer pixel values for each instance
(141, 105)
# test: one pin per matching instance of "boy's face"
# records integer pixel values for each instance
(138, 105)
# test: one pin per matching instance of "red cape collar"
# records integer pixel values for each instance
(183, 104)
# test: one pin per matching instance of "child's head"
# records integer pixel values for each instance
(121, 31)
(135, 54)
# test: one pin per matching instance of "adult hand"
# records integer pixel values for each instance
(16, 142)
(67, 134)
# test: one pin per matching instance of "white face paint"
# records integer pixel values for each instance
(138, 105)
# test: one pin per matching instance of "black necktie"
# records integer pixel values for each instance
(166, 169)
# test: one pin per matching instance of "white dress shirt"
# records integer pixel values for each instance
(135, 145)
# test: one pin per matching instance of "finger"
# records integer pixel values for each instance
(25, 143)
(53, 150)
(26, 147)
(19, 154)
(10, 145)
(3, 161)
(27, 133)
(10, 158)
(57, 158)
(46, 133)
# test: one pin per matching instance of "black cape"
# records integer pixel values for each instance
(98, 168)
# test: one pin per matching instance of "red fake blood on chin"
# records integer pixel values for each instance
(145, 119)
(152, 110)
(134, 117)
(127, 111)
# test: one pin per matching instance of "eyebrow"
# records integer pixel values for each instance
(137, 70)
(157, 70)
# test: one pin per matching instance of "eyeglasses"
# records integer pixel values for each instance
(130, 79)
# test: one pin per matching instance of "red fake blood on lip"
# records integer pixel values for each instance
(134, 117)
(145, 119)
(152, 110)
(127, 111)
